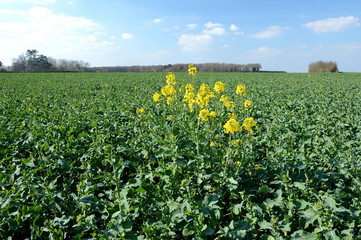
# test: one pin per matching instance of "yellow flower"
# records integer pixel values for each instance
(213, 114)
(168, 90)
(157, 97)
(204, 114)
(219, 87)
(256, 167)
(203, 95)
(224, 98)
(248, 123)
(231, 126)
(140, 111)
(212, 144)
(238, 163)
(248, 105)
(232, 116)
(229, 104)
(192, 70)
(171, 99)
(237, 142)
(170, 79)
(30, 109)
(189, 96)
(241, 90)
(171, 118)
(106, 85)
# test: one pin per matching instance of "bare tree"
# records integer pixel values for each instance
(323, 66)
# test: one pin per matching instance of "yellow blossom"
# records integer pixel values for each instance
(232, 116)
(224, 98)
(189, 96)
(157, 97)
(168, 90)
(204, 114)
(212, 144)
(248, 123)
(241, 90)
(140, 111)
(231, 126)
(256, 167)
(171, 118)
(30, 109)
(238, 163)
(229, 104)
(170, 79)
(213, 114)
(237, 142)
(192, 70)
(219, 87)
(248, 105)
(106, 85)
(171, 99)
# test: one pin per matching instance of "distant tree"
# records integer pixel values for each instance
(323, 66)
(1, 64)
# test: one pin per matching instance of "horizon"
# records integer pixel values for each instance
(278, 35)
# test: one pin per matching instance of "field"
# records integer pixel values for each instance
(145, 156)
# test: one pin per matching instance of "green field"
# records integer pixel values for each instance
(93, 156)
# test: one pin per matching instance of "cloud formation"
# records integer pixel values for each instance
(192, 42)
(127, 36)
(212, 25)
(271, 32)
(54, 34)
(215, 31)
(333, 24)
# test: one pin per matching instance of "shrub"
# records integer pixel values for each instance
(322, 66)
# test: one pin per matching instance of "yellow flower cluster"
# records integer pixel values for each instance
(231, 126)
(203, 95)
(219, 87)
(204, 114)
(189, 96)
(248, 123)
(241, 90)
(140, 112)
(248, 105)
(192, 70)
(171, 79)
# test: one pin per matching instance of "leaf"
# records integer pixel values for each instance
(266, 225)
(263, 189)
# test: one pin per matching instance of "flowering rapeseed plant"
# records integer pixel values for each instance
(157, 97)
(248, 123)
(241, 90)
(140, 111)
(231, 126)
(219, 87)
(204, 114)
(192, 70)
(248, 105)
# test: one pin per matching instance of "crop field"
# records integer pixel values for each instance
(180, 156)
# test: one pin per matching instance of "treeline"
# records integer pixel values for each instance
(323, 66)
(32, 61)
(203, 67)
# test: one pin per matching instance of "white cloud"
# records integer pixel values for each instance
(215, 31)
(267, 52)
(233, 28)
(127, 36)
(157, 20)
(273, 31)
(71, 3)
(333, 24)
(191, 42)
(212, 25)
(55, 35)
(192, 26)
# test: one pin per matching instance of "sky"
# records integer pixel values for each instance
(282, 35)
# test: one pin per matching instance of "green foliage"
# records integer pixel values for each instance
(77, 161)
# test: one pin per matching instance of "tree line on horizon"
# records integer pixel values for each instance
(201, 67)
(32, 61)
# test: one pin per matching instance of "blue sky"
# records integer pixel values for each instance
(279, 34)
